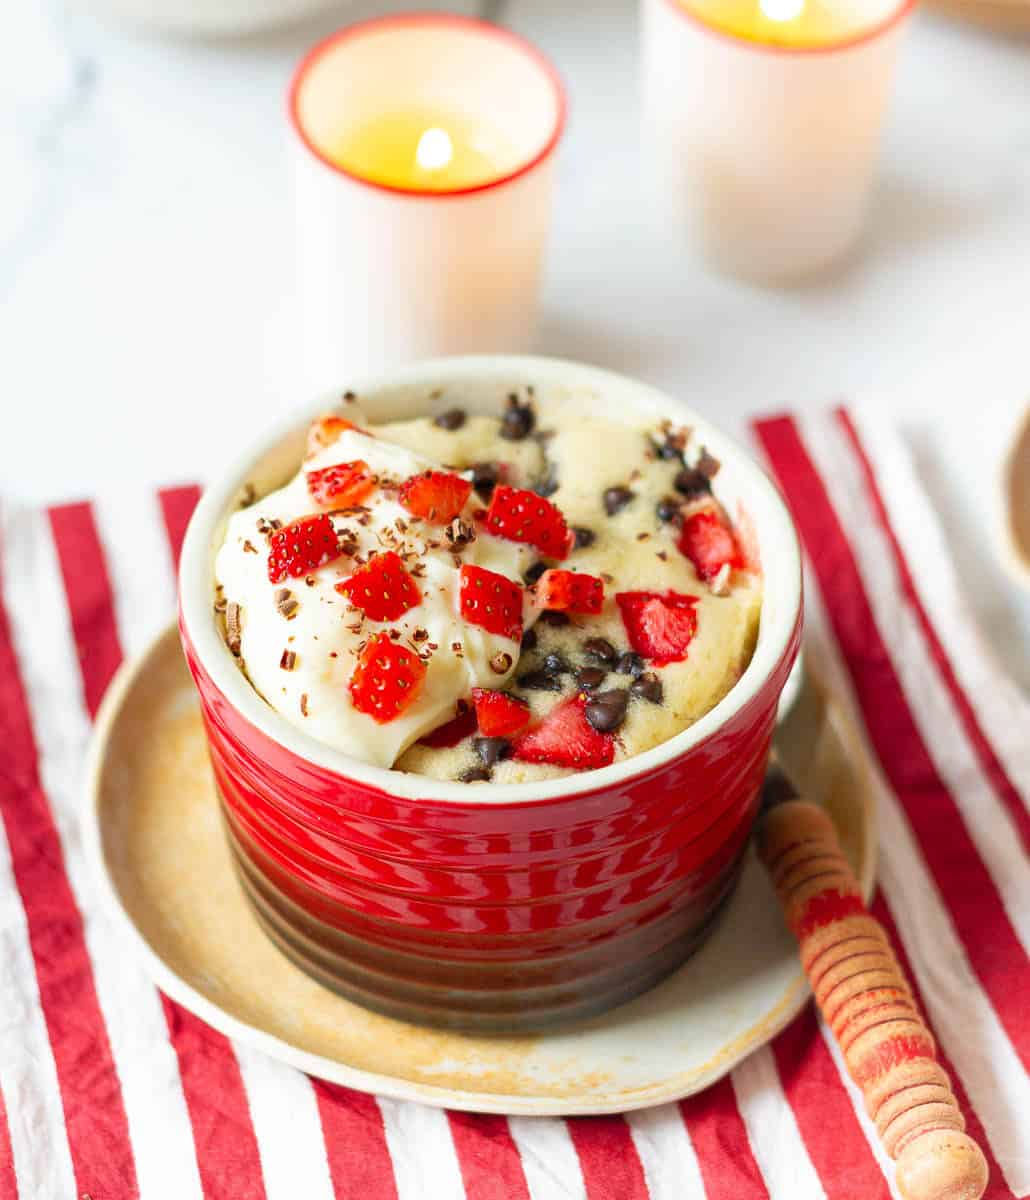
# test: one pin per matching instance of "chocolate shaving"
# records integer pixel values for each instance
(708, 465)
(233, 628)
(303, 704)
(288, 660)
(249, 546)
(460, 534)
(286, 603)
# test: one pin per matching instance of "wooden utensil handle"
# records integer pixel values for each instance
(868, 1004)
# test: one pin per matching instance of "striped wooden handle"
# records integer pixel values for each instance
(867, 1003)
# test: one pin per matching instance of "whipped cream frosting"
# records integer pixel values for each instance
(320, 635)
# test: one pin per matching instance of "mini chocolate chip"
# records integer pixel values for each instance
(491, 749)
(533, 573)
(584, 537)
(538, 681)
(630, 664)
(667, 509)
(589, 678)
(601, 649)
(548, 485)
(475, 775)
(691, 483)
(453, 418)
(615, 499)
(484, 478)
(555, 664)
(647, 687)
(518, 420)
(556, 619)
(668, 449)
(529, 639)
(607, 710)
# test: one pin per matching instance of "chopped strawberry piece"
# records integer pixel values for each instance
(491, 601)
(660, 627)
(565, 738)
(382, 588)
(386, 680)
(326, 429)
(436, 496)
(569, 591)
(522, 516)
(709, 544)
(342, 485)
(302, 546)
(443, 737)
(498, 714)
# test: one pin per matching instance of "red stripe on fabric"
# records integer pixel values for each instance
(8, 1179)
(608, 1159)
(91, 1095)
(997, 1189)
(227, 1152)
(177, 505)
(964, 884)
(491, 1168)
(96, 638)
(360, 1166)
(719, 1137)
(992, 767)
(824, 1113)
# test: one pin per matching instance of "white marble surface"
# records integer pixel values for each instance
(146, 294)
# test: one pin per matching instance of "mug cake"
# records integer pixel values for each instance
(491, 598)
(488, 654)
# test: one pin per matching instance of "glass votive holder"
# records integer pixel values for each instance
(423, 177)
(762, 123)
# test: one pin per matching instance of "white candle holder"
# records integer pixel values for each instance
(766, 153)
(389, 275)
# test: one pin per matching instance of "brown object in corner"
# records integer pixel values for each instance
(865, 999)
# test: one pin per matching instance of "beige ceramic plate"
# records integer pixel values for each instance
(156, 839)
(1014, 489)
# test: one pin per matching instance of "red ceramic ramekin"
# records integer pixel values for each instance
(503, 908)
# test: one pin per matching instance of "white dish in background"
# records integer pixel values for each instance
(235, 18)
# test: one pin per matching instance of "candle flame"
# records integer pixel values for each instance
(435, 150)
(781, 10)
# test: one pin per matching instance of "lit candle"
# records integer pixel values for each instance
(423, 150)
(423, 192)
(762, 121)
(799, 24)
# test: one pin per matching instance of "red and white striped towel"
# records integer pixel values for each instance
(109, 1090)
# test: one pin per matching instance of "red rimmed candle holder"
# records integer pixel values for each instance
(401, 253)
